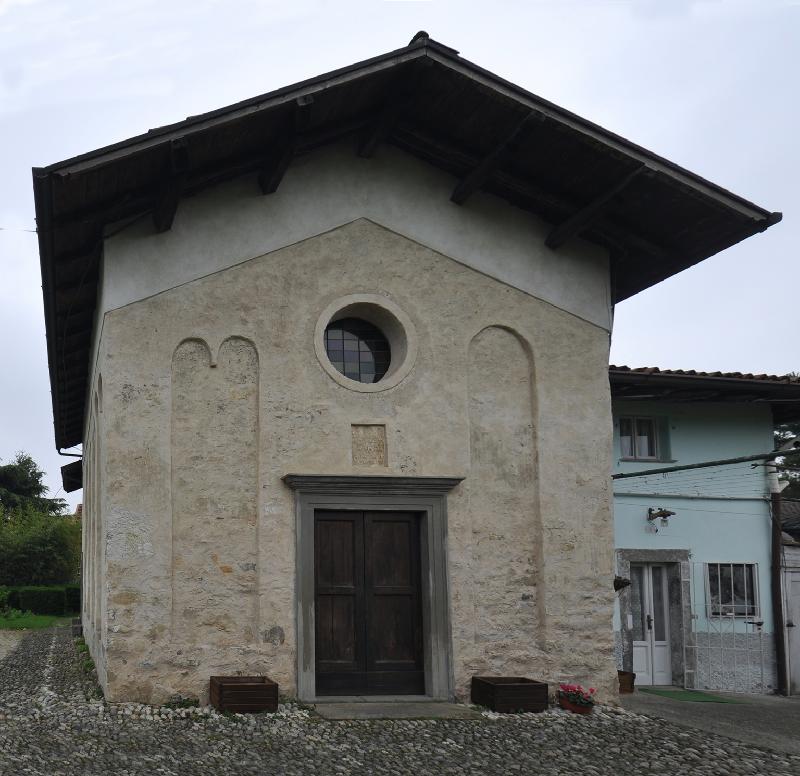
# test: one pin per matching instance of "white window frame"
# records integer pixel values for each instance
(634, 419)
(720, 610)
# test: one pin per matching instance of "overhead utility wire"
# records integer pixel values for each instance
(699, 509)
(703, 465)
(690, 477)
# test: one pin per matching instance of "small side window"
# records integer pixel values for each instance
(638, 438)
(732, 589)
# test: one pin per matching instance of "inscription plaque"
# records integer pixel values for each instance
(369, 445)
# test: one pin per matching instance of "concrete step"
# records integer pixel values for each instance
(394, 710)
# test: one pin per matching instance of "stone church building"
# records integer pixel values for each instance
(338, 359)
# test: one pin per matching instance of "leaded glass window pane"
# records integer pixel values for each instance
(357, 349)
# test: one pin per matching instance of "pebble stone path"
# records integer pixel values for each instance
(52, 724)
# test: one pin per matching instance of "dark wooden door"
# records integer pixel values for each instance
(368, 607)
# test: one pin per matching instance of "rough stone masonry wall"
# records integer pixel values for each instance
(213, 392)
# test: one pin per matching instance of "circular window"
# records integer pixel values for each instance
(357, 349)
(365, 342)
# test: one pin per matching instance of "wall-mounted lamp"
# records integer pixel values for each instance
(658, 513)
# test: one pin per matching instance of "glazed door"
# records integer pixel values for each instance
(650, 610)
(368, 618)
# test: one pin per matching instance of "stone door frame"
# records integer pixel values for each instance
(426, 496)
(680, 605)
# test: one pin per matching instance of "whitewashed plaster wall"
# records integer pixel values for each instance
(234, 222)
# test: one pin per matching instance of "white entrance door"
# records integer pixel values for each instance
(794, 633)
(650, 609)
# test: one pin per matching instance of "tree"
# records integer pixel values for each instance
(39, 549)
(791, 474)
(22, 488)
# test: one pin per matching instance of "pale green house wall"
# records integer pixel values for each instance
(722, 515)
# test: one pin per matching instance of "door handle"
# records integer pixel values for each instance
(649, 622)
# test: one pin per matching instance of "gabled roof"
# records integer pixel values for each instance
(654, 217)
(781, 392)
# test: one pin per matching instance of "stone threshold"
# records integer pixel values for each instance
(364, 707)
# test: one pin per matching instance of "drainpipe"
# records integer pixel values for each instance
(776, 582)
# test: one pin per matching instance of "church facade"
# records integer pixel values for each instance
(338, 359)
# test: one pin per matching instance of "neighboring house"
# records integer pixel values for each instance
(699, 611)
(790, 521)
(338, 358)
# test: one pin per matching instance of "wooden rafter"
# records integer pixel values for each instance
(171, 189)
(489, 164)
(77, 294)
(278, 161)
(446, 155)
(381, 127)
(580, 220)
(400, 95)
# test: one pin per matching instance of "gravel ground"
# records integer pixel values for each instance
(51, 723)
(8, 640)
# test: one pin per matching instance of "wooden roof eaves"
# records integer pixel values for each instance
(618, 143)
(42, 195)
(286, 94)
(447, 57)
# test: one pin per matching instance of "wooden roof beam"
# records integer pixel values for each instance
(74, 319)
(584, 217)
(486, 168)
(381, 127)
(274, 168)
(166, 204)
(448, 157)
(76, 295)
(400, 95)
(71, 267)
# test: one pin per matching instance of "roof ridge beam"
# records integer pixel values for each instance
(579, 221)
(489, 164)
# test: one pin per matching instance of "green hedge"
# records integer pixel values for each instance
(52, 599)
(43, 600)
(12, 597)
(73, 597)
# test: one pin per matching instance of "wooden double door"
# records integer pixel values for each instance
(368, 610)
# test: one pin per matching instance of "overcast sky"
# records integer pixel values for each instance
(710, 85)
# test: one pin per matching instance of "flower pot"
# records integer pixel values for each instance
(626, 681)
(575, 708)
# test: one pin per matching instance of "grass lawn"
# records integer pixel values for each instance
(34, 621)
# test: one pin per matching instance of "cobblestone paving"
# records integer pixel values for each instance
(8, 640)
(51, 723)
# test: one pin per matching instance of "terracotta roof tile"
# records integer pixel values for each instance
(651, 370)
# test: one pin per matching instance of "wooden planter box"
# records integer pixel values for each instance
(509, 693)
(627, 679)
(244, 694)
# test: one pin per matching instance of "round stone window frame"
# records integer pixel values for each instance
(395, 325)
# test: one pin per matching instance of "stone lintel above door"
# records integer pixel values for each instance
(377, 484)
